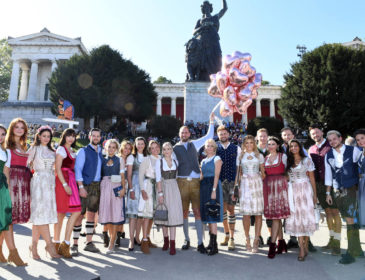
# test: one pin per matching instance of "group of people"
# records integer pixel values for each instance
(129, 181)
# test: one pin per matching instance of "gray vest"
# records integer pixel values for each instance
(187, 158)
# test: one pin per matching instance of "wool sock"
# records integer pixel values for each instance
(199, 231)
(186, 229)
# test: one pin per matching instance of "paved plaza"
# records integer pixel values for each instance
(189, 264)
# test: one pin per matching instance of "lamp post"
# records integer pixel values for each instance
(302, 50)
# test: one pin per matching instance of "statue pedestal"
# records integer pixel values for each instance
(198, 104)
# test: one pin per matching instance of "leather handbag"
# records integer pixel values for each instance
(212, 209)
(161, 213)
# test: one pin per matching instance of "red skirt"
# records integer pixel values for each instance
(276, 202)
(67, 203)
(19, 189)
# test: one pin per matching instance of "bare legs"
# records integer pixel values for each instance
(276, 230)
(69, 226)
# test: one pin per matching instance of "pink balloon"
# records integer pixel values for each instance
(254, 93)
(214, 91)
(225, 110)
(242, 56)
(242, 108)
(237, 78)
(258, 79)
(221, 80)
(229, 62)
(245, 93)
(247, 69)
(229, 95)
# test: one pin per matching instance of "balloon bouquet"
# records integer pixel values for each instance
(236, 84)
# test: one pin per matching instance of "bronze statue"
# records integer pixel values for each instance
(203, 51)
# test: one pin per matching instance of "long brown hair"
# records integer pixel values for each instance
(135, 150)
(255, 150)
(65, 133)
(10, 141)
(37, 140)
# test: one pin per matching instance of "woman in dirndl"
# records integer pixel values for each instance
(276, 202)
(147, 201)
(251, 170)
(360, 139)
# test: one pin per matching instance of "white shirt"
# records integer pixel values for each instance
(165, 167)
(321, 144)
(62, 152)
(284, 159)
(3, 155)
(328, 179)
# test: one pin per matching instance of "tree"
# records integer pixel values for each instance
(5, 69)
(162, 80)
(165, 127)
(265, 83)
(273, 125)
(102, 85)
(326, 87)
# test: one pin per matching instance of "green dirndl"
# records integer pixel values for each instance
(5, 201)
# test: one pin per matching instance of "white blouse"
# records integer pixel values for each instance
(165, 167)
(62, 152)
(251, 164)
(284, 159)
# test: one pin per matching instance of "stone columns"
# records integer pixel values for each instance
(272, 108)
(159, 106)
(258, 107)
(33, 81)
(13, 93)
(54, 65)
(173, 106)
(24, 82)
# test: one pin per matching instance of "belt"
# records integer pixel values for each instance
(189, 179)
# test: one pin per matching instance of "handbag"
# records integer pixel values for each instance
(116, 190)
(212, 209)
(116, 179)
(161, 213)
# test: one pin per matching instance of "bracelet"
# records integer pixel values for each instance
(328, 193)
(64, 184)
(214, 189)
(131, 190)
(160, 194)
(81, 186)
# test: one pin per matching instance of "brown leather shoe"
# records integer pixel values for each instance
(15, 259)
(150, 244)
(145, 248)
(64, 250)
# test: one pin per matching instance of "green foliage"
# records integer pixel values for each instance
(103, 84)
(162, 80)
(165, 127)
(273, 125)
(5, 69)
(265, 83)
(326, 87)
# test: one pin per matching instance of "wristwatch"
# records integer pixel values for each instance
(64, 184)
(328, 193)
(214, 189)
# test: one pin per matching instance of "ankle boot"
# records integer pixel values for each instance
(225, 241)
(15, 259)
(209, 247)
(172, 247)
(282, 247)
(165, 243)
(106, 239)
(272, 250)
(214, 249)
(144, 247)
(117, 241)
(2, 258)
(64, 250)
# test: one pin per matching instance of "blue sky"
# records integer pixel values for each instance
(152, 33)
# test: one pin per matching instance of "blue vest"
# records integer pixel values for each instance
(346, 176)
(91, 163)
(110, 170)
(228, 156)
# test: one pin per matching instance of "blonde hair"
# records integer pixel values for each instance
(214, 144)
(151, 143)
(262, 130)
(255, 150)
(166, 144)
(111, 141)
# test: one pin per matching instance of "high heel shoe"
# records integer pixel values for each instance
(248, 245)
(256, 243)
(51, 250)
(165, 246)
(272, 250)
(33, 254)
(136, 243)
(282, 247)
(15, 259)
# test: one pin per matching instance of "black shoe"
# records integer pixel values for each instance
(268, 240)
(201, 249)
(261, 241)
(186, 245)
(293, 243)
(210, 245)
(74, 250)
(83, 234)
(214, 246)
(117, 240)
(347, 259)
(106, 239)
(130, 249)
(136, 243)
(311, 248)
(123, 235)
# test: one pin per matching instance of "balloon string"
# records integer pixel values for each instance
(218, 120)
